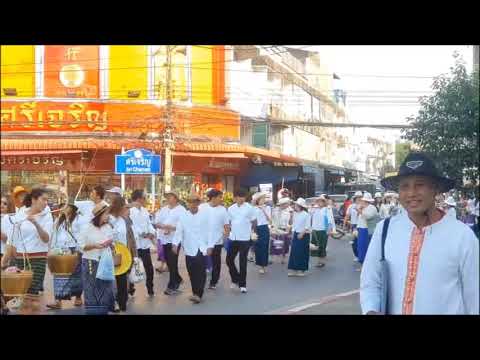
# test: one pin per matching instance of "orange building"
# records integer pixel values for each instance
(71, 109)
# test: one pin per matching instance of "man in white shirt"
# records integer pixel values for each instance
(145, 236)
(166, 222)
(431, 260)
(321, 226)
(190, 231)
(352, 216)
(242, 222)
(97, 196)
(218, 228)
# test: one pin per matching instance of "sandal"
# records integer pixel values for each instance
(54, 306)
(320, 265)
(78, 302)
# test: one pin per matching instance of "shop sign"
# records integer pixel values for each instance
(32, 160)
(52, 116)
(223, 165)
(284, 164)
(137, 161)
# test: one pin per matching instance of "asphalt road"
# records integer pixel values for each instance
(271, 293)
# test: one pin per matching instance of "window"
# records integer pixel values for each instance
(260, 135)
(178, 70)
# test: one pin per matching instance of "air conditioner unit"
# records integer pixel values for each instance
(134, 93)
(10, 91)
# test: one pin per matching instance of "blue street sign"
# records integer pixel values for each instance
(137, 161)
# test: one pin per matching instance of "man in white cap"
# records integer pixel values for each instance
(166, 221)
(111, 193)
(367, 221)
(421, 261)
(351, 215)
(282, 217)
(451, 205)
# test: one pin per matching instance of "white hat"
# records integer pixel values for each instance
(171, 192)
(450, 201)
(378, 195)
(367, 197)
(284, 201)
(115, 190)
(358, 194)
(257, 196)
(301, 202)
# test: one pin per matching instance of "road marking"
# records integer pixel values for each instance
(314, 302)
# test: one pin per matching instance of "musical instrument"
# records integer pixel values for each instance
(122, 258)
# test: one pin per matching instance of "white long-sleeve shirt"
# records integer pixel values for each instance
(167, 216)
(301, 221)
(141, 224)
(447, 278)
(92, 235)
(217, 218)
(6, 228)
(352, 212)
(191, 233)
(260, 212)
(25, 236)
(368, 213)
(61, 238)
(320, 219)
(241, 218)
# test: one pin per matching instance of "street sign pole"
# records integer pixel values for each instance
(122, 177)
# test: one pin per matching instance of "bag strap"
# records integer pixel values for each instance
(386, 223)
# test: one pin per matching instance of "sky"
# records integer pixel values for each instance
(369, 97)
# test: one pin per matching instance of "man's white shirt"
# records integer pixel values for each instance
(191, 233)
(241, 218)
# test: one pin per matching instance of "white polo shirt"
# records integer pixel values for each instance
(241, 218)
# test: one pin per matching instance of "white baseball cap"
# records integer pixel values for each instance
(115, 190)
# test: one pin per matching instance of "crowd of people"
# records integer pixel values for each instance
(202, 230)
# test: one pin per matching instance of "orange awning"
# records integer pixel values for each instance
(212, 155)
(39, 152)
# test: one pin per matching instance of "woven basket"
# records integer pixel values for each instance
(16, 283)
(62, 264)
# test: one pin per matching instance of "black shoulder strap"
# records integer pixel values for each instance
(384, 236)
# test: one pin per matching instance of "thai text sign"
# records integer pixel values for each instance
(137, 161)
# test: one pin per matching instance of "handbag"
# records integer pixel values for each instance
(105, 270)
(117, 259)
(137, 272)
(384, 271)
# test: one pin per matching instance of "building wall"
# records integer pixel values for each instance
(18, 70)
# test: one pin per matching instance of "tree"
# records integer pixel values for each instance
(446, 126)
(401, 152)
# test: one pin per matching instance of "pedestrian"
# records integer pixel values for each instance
(190, 232)
(450, 205)
(386, 206)
(352, 217)
(263, 217)
(242, 221)
(330, 209)
(97, 197)
(159, 218)
(218, 229)
(7, 210)
(31, 233)
(300, 253)
(96, 241)
(118, 212)
(18, 196)
(433, 259)
(167, 222)
(65, 234)
(282, 217)
(321, 224)
(145, 236)
(113, 193)
(378, 200)
(367, 220)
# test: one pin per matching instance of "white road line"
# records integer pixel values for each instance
(324, 300)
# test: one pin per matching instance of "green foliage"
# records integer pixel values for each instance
(447, 124)
(401, 152)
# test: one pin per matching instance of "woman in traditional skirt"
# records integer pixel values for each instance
(300, 253)
(94, 239)
(263, 215)
(66, 231)
(280, 234)
(367, 221)
(30, 236)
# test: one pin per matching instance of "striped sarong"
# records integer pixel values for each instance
(99, 294)
(39, 266)
(65, 287)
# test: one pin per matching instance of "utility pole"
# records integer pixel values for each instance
(168, 132)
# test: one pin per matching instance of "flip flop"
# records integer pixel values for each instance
(54, 306)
